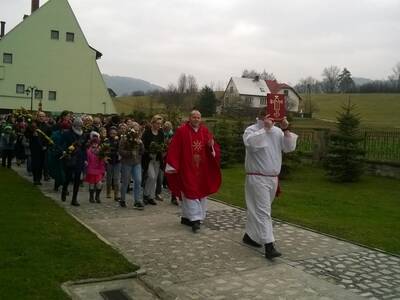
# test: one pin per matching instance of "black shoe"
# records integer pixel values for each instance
(195, 226)
(91, 196)
(174, 201)
(247, 240)
(37, 183)
(270, 251)
(122, 203)
(138, 206)
(97, 196)
(75, 203)
(151, 201)
(145, 200)
(186, 221)
(63, 196)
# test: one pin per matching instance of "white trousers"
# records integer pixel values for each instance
(194, 209)
(260, 193)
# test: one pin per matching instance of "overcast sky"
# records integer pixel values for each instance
(157, 40)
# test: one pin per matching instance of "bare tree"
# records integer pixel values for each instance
(192, 86)
(250, 74)
(395, 77)
(267, 76)
(307, 85)
(331, 76)
(182, 83)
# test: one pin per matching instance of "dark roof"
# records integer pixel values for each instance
(98, 53)
(274, 86)
(112, 93)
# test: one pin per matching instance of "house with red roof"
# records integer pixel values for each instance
(252, 92)
(292, 98)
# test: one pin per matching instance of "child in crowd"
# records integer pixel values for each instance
(95, 168)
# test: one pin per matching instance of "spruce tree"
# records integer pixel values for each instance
(345, 156)
(207, 102)
(223, 135)
(239, 150)
(346, 83)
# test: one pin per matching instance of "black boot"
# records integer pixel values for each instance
(247, 240)
(64, 195)
(270, 251)
(74, 200)
(122, 203)
(195, 226)
(91, 196)
(174, 201)
(98, 191)
(186, 221)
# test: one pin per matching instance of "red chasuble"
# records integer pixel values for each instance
(197, 170)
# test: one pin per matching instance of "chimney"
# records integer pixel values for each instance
(2, 28)
(35, 5)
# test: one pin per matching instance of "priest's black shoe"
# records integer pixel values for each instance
(195, 226)
(186, 221)
(247, 240)
(270, 251)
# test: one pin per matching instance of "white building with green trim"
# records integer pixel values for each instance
(48, 51)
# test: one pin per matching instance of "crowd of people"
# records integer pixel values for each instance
(146, 157)
(71, 150)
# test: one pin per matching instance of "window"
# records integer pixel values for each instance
(231, 89)
(52, 95)
(7, 58)
(38, 94)
(55, 35)
(249, 100)
(20, 89)
(263, 101)
(70, 37)
(262, 90)
(286, 92)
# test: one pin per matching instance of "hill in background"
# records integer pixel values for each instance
(360, 80)
(126, 85)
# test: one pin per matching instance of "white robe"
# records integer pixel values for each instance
(263, 157)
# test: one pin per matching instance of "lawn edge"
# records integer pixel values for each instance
(313, 230)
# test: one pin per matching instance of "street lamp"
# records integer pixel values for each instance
(30, 90)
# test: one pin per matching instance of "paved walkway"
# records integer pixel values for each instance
(215, 264)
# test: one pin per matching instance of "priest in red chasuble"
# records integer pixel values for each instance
(193, 168)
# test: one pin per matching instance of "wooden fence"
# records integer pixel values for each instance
(379, 145)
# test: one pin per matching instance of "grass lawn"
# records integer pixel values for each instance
(376, 110)
(367, 212)
(41, 246)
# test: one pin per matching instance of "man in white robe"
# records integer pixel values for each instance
(264, 144)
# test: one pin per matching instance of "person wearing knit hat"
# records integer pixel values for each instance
(77, 125)
(74, 142)
(95, 168)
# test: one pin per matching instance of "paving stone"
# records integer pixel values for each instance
(215, 264)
